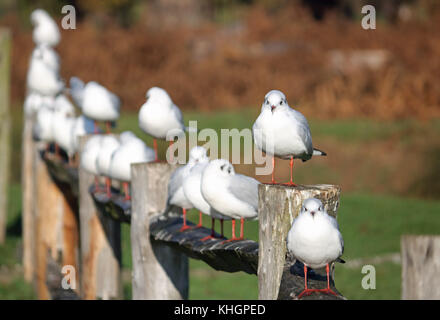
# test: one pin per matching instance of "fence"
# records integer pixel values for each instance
(74, 225)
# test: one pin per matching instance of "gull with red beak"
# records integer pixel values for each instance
(315, 240)
(283, 132)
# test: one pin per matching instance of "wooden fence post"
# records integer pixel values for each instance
(100, 245)
(56, 228)
(159, 271)
(420, 267)
(5, 128)
(29, 153)
(278, 206)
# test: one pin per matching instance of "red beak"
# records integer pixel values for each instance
(272, 108)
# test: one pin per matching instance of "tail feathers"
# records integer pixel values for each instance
(317, 152)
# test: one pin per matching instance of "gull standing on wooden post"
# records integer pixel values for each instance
(315, 240)
(283, 132)
(131, 150)
(234, 195)
(159, 117)
(43, 75)
(176, 196)
(95, 101)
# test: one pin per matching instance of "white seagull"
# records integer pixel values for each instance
(131, 150)
(159, 117)
(176, 196)
(109, 144)
(95, 101)
(45, 28)
(315, 240)
(48, 55)
(89, 157)
(234, 195)
(192, 190)
(283, 132)
(43, 75)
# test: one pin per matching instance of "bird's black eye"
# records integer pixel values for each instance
(221, 168)
(267, 101)
(281, 102)
(305, 208)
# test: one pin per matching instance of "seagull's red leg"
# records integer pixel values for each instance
(306, 291)
(328, 290)
(108, 185)
(273, 170)
(241, 228)
(185, 226)
(108, 127)
(156, 159)
(212, 236)
(234, 238)
(199, 225)
(126, 191)
(290, 183)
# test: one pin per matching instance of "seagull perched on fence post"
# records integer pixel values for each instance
(131, 150)
(283, 132)
(160, 117)
(95, 101)
(234, 195)
(315, 240)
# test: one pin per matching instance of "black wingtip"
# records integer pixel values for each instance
(340, 260)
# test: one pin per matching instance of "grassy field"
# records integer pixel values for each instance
(371, 220)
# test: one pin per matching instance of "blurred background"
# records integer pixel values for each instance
(372, 98)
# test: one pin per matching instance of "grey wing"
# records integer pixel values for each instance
(303, 130)
(245, 189)
(115, 100)
(77, 90)
(335, 224)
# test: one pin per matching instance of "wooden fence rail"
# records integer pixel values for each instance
(160, 251)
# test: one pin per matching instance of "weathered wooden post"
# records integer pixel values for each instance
(420, 267)
(100, 245)
(29, 152)
(159, 271)
(5, 128)
(56, 228)
(278, 206)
